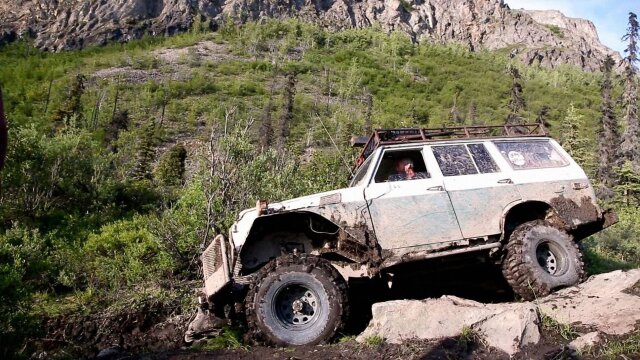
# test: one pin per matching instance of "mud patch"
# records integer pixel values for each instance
(634, 290)
(150, 328)
(574, 214)
(450, 348)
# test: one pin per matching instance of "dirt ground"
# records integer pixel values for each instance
(445, 349)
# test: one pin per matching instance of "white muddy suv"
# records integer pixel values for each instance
(508, 192)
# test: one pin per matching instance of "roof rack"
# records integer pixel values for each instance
(417, 135)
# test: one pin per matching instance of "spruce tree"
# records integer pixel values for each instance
(70, 112)
(287, 111)
(608, 136)
(630, 147)
(542, 117)
(570, 138)
(145, 153)
(118, 123)
(517, 102)
(171, 166)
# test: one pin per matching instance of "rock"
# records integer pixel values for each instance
(113, 353)
(602, 303)
(507, 327)
(605, 303)
(585, 341)
(476, 24)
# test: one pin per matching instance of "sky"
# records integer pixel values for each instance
(609, 16)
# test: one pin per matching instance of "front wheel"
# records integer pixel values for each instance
(541, 258)
(297, 300)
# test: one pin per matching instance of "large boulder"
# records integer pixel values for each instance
(507, 327)
(606, 303)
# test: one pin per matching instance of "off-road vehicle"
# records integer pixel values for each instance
(509, 193)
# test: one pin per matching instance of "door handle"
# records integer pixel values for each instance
(505, 181)
(436, 188)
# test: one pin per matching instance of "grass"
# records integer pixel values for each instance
(230, 338)
(550, 324)
(555, 30)
(468, 336)
(374, 340)
(622, 348)
(346, 339)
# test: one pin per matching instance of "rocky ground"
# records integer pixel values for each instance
(597, 319)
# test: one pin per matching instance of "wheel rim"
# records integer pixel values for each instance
(551, 258)
(296, 306)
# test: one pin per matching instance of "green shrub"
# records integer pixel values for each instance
(124, 254)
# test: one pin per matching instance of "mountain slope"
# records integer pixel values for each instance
(478, 24)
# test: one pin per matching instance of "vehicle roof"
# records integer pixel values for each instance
(422, 136)
(453, 141)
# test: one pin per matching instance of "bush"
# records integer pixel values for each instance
(125, 254)
(617, 247)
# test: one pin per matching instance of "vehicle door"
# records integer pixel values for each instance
(409, 212)
(479, 189)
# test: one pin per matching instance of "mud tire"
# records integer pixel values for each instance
(540, 259)
(267, 323)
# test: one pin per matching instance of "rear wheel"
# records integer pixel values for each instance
(541, 258)
(297, 300)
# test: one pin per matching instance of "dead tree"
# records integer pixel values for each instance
(368, 103)
(287, 111)
(266, 127)
(608, 136)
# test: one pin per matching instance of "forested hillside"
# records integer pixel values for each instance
(125, 159)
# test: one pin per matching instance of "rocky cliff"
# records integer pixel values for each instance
(546, 37)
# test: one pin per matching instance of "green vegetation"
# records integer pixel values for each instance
(122, 164)
(551, 325)
(626, 347)
(555, 30)
(229, 338)
(373, 340)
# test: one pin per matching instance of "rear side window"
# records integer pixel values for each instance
(530, 154)
(455, 160)
(483, 160)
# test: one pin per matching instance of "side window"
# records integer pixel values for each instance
(401, 165)
(362, 172)
(483, 160)
(454, 160)
(530, 154)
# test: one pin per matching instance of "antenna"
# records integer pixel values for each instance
(344, 160)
